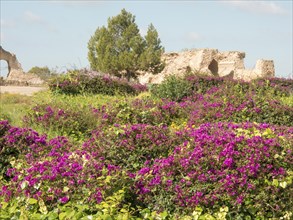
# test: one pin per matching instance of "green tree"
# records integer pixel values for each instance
(119, 49)
(43, 72)
(151, 57)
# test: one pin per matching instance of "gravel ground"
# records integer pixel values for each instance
(23, 90)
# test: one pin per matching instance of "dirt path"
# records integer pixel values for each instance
(23, 90)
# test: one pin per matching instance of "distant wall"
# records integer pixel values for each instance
(210, 62)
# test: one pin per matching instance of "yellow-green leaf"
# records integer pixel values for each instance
(32, 201)
(283, 184)
(4, 205)
(275, 182)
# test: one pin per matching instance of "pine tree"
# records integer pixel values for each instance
(151, 57)
(119, 49)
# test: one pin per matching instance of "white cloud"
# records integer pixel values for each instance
(193, 36)
(265, 7)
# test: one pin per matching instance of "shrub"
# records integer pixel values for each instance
(235, 107)
(247, 168)
(173, 88)
(200, 157)
(176, 88)
(131, 146)
(281, 86)
(79, 82)
(140, 111)
(55, 171)
(75, 123)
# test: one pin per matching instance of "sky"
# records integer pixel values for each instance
(56, 33)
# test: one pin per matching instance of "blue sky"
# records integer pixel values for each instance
(56, 33)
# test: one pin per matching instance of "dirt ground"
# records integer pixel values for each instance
(23, 90)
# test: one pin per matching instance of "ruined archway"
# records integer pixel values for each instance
(14, 67)
(15, 71)
(213, 67)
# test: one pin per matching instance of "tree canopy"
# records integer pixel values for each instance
(119, 48)
(43, 72)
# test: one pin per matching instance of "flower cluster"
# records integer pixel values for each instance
(130, 146)
(83, 81)
(54, 170)
(65, 121)
(219, 146)
(220, 164)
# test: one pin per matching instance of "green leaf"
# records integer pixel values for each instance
(62, 215)
(164, 215)
(4, 205)
(108, 179)
(52, 216)
(32, 201)
(275, 182)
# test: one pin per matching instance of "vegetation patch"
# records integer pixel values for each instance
(192, 148)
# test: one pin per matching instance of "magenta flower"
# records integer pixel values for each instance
(64, 199)
(228, 162)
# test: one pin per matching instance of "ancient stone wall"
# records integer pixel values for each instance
(15, 71)
(210, 62)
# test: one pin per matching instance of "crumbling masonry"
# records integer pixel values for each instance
(210, 62)
(15, 71)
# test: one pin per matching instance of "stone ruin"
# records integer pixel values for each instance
(16, 75)
(210, 62)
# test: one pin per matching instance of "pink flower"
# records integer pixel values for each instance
(228, 162)
(64, 199)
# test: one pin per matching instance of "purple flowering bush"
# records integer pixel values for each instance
(130, 146)
(221, 149)
(83, 81)
(14, 141)
(139, 111)
(64, 120)
(230, 105)
(280, 86)
(176, 88)
(245, 167)
(55, 171)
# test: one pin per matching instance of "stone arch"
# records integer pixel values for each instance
(213, 67)
(14, 67)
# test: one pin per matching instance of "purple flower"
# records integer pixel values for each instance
(228, 162)
(143, 170)
(64, 199)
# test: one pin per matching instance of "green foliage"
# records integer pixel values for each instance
(173, 88)
(111, 208)
(43, 72)
(62, 120)
(287, 100)
(81, 82)
(130, 146)
(132, 133)
(151, 57)
(120, 50)
(13, 107)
